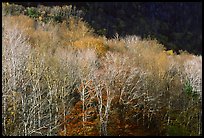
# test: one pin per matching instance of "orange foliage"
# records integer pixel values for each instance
(116, 45)
(92, 43)
(75, 124)
(21, 22)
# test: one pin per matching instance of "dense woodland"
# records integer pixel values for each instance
(62, 76)
(177, 25)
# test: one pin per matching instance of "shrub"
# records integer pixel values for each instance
(32, 12)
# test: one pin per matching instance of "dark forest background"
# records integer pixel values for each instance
(177, 25)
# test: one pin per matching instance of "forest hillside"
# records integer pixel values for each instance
(61, 78)
(177, 25)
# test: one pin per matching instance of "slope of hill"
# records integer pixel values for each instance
(60, 78)
(177, 25)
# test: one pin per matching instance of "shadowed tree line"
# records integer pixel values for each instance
(177, 25)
